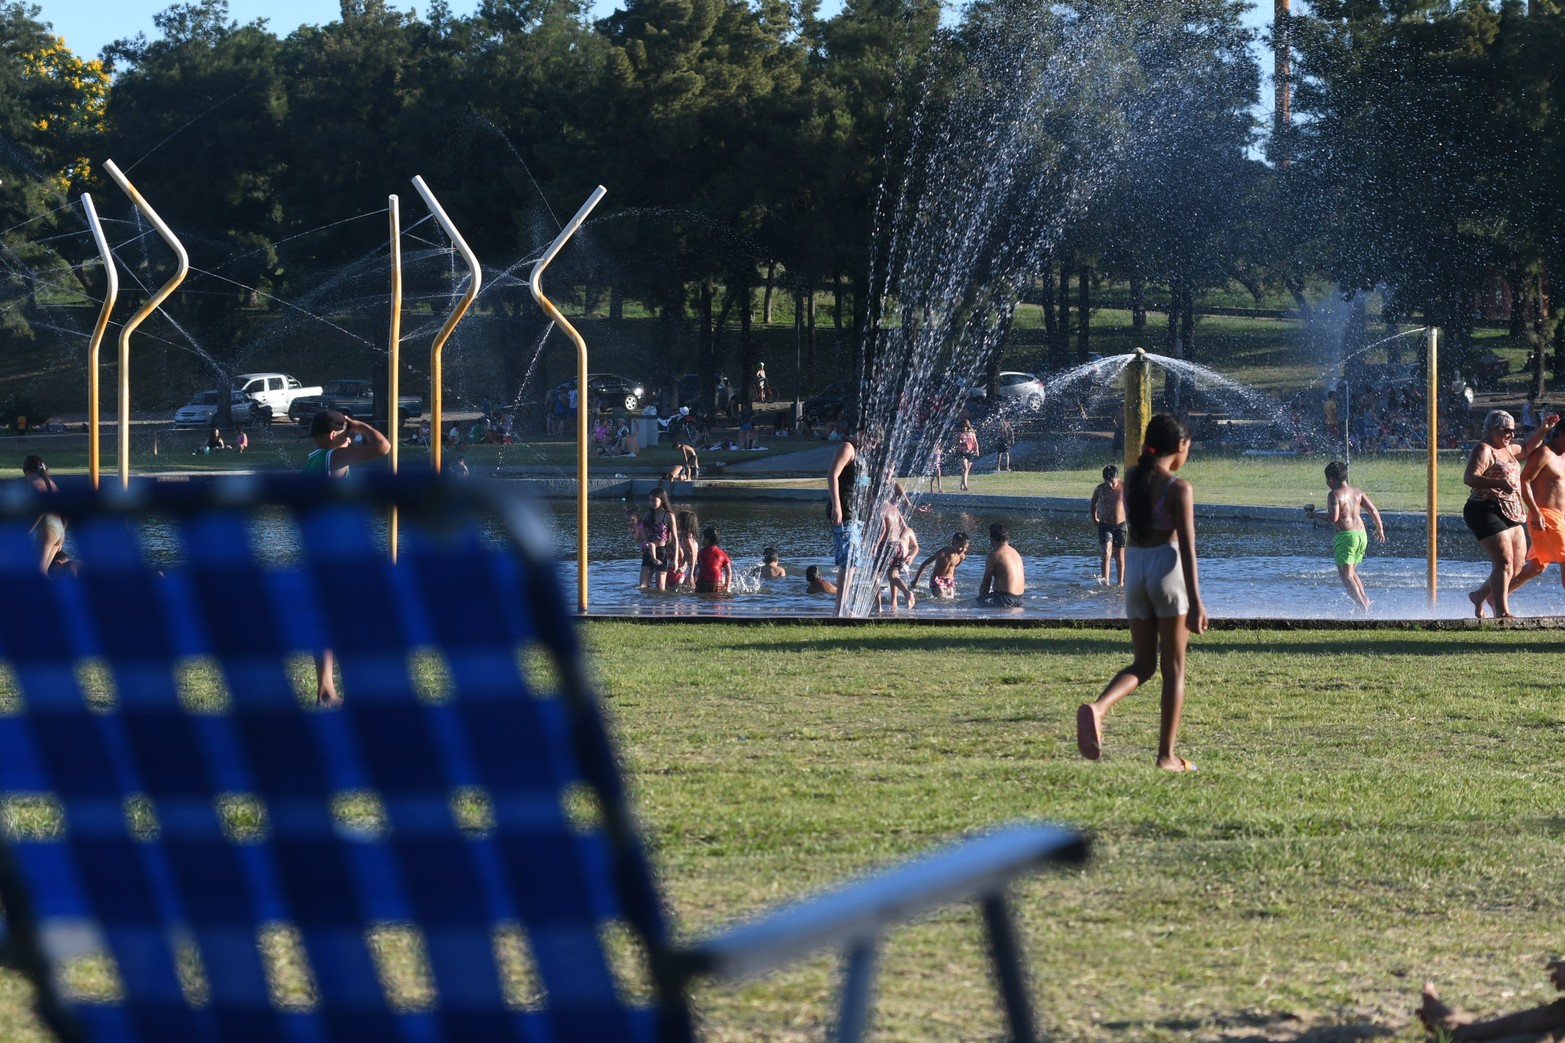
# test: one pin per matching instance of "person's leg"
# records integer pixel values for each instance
(1103, 566)
(1460, 1027)
(1089, 719)
(1351, 584)
(1173, 636)
(325, 681)
(1119, 563)
(1509, 548)
(1530, 571)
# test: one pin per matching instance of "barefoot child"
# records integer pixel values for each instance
(1107, 508)
(1162, 594)
(1344, 507)
(942, 577)
(683, 577)
(714, 569)
(899, 535)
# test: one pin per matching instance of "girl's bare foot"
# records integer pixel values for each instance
(327, 698)
(1089, 733)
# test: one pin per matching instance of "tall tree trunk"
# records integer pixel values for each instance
(746, 333)
(1051, 334)
(1138, 302)
(617, 301)
(766, 297)
(1083, 311)
(1061, 347)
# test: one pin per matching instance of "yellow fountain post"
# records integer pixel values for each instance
(394, 359)
(141, 313)
(1433, 429)
(475, 280)
(110, 294)
(535, 283)
(1138, 405)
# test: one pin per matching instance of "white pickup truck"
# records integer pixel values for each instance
(277, 390)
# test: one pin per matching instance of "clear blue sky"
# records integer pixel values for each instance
(88, 25)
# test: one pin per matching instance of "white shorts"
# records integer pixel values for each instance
(1154, 583)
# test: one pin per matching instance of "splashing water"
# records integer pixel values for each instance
(996, 172)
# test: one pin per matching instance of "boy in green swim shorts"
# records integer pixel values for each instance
(1345, 506)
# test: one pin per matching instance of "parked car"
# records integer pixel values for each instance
(354, 397)
(614, 390)
(1025, 389)
(202, 411)
(828, 404)
(725, 397)
(277, 390)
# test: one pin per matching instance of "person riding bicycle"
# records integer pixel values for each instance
(763, 391)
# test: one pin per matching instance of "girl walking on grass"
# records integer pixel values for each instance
(1162, 595)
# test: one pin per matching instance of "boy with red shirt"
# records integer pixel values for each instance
(714, 569)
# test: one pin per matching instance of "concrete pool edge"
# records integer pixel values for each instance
(1524, 624)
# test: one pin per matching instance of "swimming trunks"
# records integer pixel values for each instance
(942, 586)
(1548, 545)
(1000, 599)
(844, 541)
(1114, 534)
(1349, 546)
(1154, 583)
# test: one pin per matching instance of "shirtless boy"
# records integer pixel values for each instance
(814, 584)
(1004, 579)
(1543, 490)
(942, 577)
(1344, 505)
(770, 569)
(1107, 508)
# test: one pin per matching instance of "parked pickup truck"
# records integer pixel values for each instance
(276, 390)
(353, 397)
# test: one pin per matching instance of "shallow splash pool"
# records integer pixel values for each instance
(1249, 569)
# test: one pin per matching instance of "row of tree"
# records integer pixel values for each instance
(748, 146)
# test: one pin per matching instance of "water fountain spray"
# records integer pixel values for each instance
(535, 284)
(394, 357)
(475, 280)
(110, 295)
(141, 313)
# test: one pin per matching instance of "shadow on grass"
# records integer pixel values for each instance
(1109, 642)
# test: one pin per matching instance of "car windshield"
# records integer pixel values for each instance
(206, 398)
(343, 387)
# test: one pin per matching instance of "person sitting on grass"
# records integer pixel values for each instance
(1544, 1022)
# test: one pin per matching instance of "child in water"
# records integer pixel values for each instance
(714, 569)
(942, 577)
(770, 569)
(1162, 592)
(814, 584)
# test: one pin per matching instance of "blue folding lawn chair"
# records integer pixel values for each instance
(192, 850)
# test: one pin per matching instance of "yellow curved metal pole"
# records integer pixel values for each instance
(110, 295)
(394, 359)
(535, 283)
(476, 280)
(1433, 429)
(141, 313)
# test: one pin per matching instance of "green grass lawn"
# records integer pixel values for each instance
(1372, 808)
